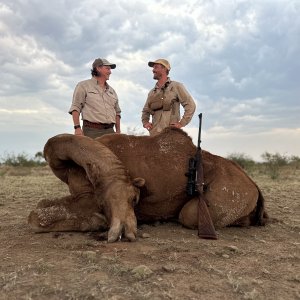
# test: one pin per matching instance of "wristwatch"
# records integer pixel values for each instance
(76, 126)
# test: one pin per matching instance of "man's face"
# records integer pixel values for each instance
(105, 71)
(158, 71)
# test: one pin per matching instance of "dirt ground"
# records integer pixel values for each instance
(166, 262)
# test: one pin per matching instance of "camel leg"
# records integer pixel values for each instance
(224, 213)
(67, 214)
(188, 215)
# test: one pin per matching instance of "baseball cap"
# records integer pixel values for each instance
(103, 62)
(161, 61)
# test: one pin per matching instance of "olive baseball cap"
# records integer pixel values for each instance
(161, 61)
(103, 62)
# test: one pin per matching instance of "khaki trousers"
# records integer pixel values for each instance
(94, 132)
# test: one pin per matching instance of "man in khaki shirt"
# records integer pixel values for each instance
(164, 100)
(97, 102)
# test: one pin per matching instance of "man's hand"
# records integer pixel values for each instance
(148, 126)
(177, 125)
(78, 131)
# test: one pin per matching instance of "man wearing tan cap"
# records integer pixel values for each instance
(97, 102)
(164, 100)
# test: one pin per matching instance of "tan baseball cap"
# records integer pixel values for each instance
(103, 62)
(161, 61)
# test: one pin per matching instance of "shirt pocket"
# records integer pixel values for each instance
(93, 99)
(92, 95)
(169, 99)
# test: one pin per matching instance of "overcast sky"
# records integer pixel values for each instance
(240, 60)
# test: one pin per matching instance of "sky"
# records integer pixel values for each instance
(239, 59)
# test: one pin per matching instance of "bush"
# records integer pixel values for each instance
(274, 162)
(295, 161)
(275, 159)
(243, 160)
(23, 160)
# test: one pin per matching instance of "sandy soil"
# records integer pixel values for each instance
(167, 262)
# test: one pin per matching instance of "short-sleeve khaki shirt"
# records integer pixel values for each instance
(95, 104)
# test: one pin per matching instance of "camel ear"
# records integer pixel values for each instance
(138, 182)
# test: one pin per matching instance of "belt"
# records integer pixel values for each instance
(97, 125)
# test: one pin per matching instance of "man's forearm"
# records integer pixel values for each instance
(75, 117)
(118, 124)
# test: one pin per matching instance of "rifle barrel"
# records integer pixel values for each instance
(199, 132)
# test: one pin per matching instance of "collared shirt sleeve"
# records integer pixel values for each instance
(117, 107)
(187, 102)
(79, 97)
(146, 110)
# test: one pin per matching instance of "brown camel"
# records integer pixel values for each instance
(161, 163)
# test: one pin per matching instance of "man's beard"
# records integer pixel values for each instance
(156, 76)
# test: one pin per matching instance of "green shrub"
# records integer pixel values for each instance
(22, 160)
(275, 159)
(295, 161)
(243, 160)
(274, 162)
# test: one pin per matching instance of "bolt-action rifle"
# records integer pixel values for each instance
(206, 229)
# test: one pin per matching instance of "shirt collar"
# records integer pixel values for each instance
(95, 81)
(164, 86)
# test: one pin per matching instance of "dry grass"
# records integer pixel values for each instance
(167, 261)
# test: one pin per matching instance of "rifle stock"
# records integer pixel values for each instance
(206, 229)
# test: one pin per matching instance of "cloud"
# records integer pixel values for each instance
(239, 60)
